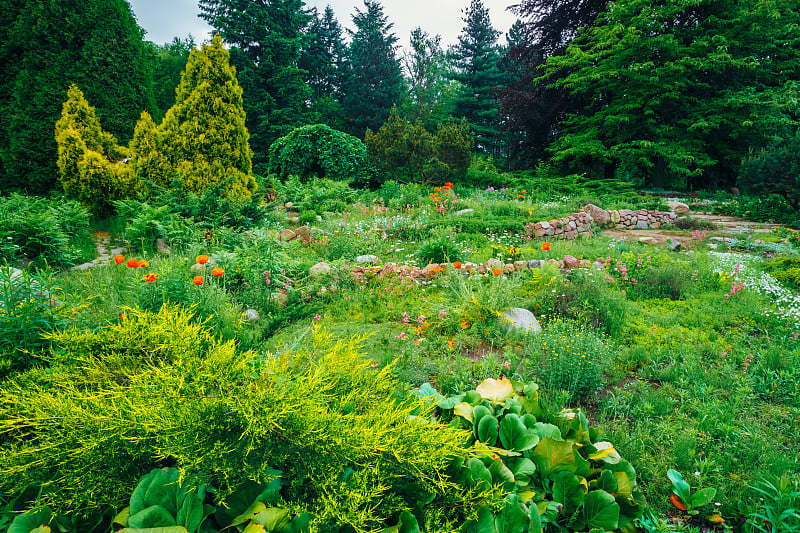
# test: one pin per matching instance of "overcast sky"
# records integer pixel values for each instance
(165, 19)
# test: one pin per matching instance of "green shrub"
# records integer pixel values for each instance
(772, 208)
(439, 250)
(159, 389)
(318, 150)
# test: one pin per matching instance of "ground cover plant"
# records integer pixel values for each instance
(686, 361)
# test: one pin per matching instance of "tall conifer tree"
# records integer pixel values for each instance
(476, 61)
(95, 44)
(266, 39)
(374, 81)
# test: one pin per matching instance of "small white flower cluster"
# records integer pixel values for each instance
(786, 301)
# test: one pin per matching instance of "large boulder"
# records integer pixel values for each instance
(521, 319)
(599, 215)
(678, 207)
(319, 270)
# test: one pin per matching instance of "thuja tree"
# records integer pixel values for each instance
(203, 139)
(89, 159)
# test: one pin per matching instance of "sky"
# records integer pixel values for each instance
(165, 19)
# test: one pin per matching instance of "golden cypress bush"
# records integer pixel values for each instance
(159, 389)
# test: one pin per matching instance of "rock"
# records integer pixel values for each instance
(615, 216)
(544, 224)
(571, 261)
(585, 263)
(642, 224)
(648, 240)
(293, 220)
(319, 270)
(601, 216)
(287, 235)
(520, 265)
(198, 269)
(735, 191)
(493, 263)
(674, 244)
(508, 268)
(430, 271)
(280, 298)
(598, 265)
(251, 315)
(678, 207)
(521, 319)
(162, 246)
(363, 259)
(469, 267)
(288, 205)
(302, 234)
(464, 212)
(534, 263)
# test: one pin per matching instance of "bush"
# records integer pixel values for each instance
(159, 389)
(318, 150)
(440, 250)
(774, 171)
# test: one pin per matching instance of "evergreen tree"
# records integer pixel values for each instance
(374, 81)
(679, 93)
(169, 60)
(48, 45)
(424, 63)
(476, 67)
(203, 137)
(323, 61)
(266, 38)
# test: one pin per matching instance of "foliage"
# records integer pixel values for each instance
(323, 60)
(775, 170)
(47, 232)
(169, 60)
(671, 101)
(780, 501)
(90, 162)
(476, 66)
(46, 47)
(203, 139)
(321, 151)
(321, 419)
(265, 46)
(772, 208)
(424, 63)
(440, 250)
(373, 81)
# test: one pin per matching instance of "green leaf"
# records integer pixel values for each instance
(624, 484)
(299, 524)
(534, 520)
(464, 410)
(162, 491)
(601, 510)
(530, 399)
(248, 514)
(513, 433)
(273, 518)
(480, 473)
(501, 474)
(478, 412)
(31, 520)
(552, 456)
(486, 523)
(703, 497)
(190, 515)
(680, 486)
(408, 523)
(451, 402)
(149, 517)
(122, 517)
(513, 518)
(488, 428)
(169, 529)
(607, 482)
(568, 491)
(547, 430)
(138, 496)
(523, 469)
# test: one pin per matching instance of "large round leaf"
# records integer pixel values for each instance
(601, 510)
(515, 436)
(488, 428)
(552, 456)
(153, 516)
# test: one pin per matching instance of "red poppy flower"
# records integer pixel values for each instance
(118, 259)
(132, 263)
(497, 271)
(202, 259)
(150, 276)
(217, 272)
(448, 185)
(457, 264)
(198, 280)
(545, 246)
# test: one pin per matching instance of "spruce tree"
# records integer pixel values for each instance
(424, 64)
(95, 44)
(476, 61)
(203, 136)
(266, 38)
(169, 61)
(374, 81)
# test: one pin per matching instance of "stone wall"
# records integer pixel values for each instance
(580, 223)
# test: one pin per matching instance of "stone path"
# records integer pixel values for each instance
(104, 256)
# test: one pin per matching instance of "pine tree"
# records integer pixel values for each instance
(266, 38)
(476, 61)
(169, 60)
(203, 136)
(93, 43)
(374, 81)
(424, 63)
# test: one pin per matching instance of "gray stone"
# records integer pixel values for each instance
(280, 298)
(674, 244)
(464, 212)
(534, 263)
(251, 315)
(598, 265)
(364, 259)
(601, 216)
(319, 270)
(521, 319)
(648, 240)
(642, 224)
(678, 207)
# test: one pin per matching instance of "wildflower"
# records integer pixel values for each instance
(404, 318)
(122, 316)
(421, 319)
(464, 324)
(507, 364)
(202, 259)
(198, 280)
(118, 259)
(132, 263)
(374, 364)
(317, 317)
(150, 277)
(457, 265)
(144, 263)
(497, 271)
(217, 272)
(442, 314)
(545, 246)
(450, 344)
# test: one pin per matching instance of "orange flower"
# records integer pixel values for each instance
(132, 263)
(118, 259)
(437, 270)
(437, 189)
(497, 271)
(457, 264)
(199, 280)
(464, 324)
(448, 185)
(545, 246)
(676, 501)
(217, 272)
(144, 263)
(450, 344)
(202, 259)
(150, 276)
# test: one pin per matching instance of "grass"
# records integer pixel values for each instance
(686, 360)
